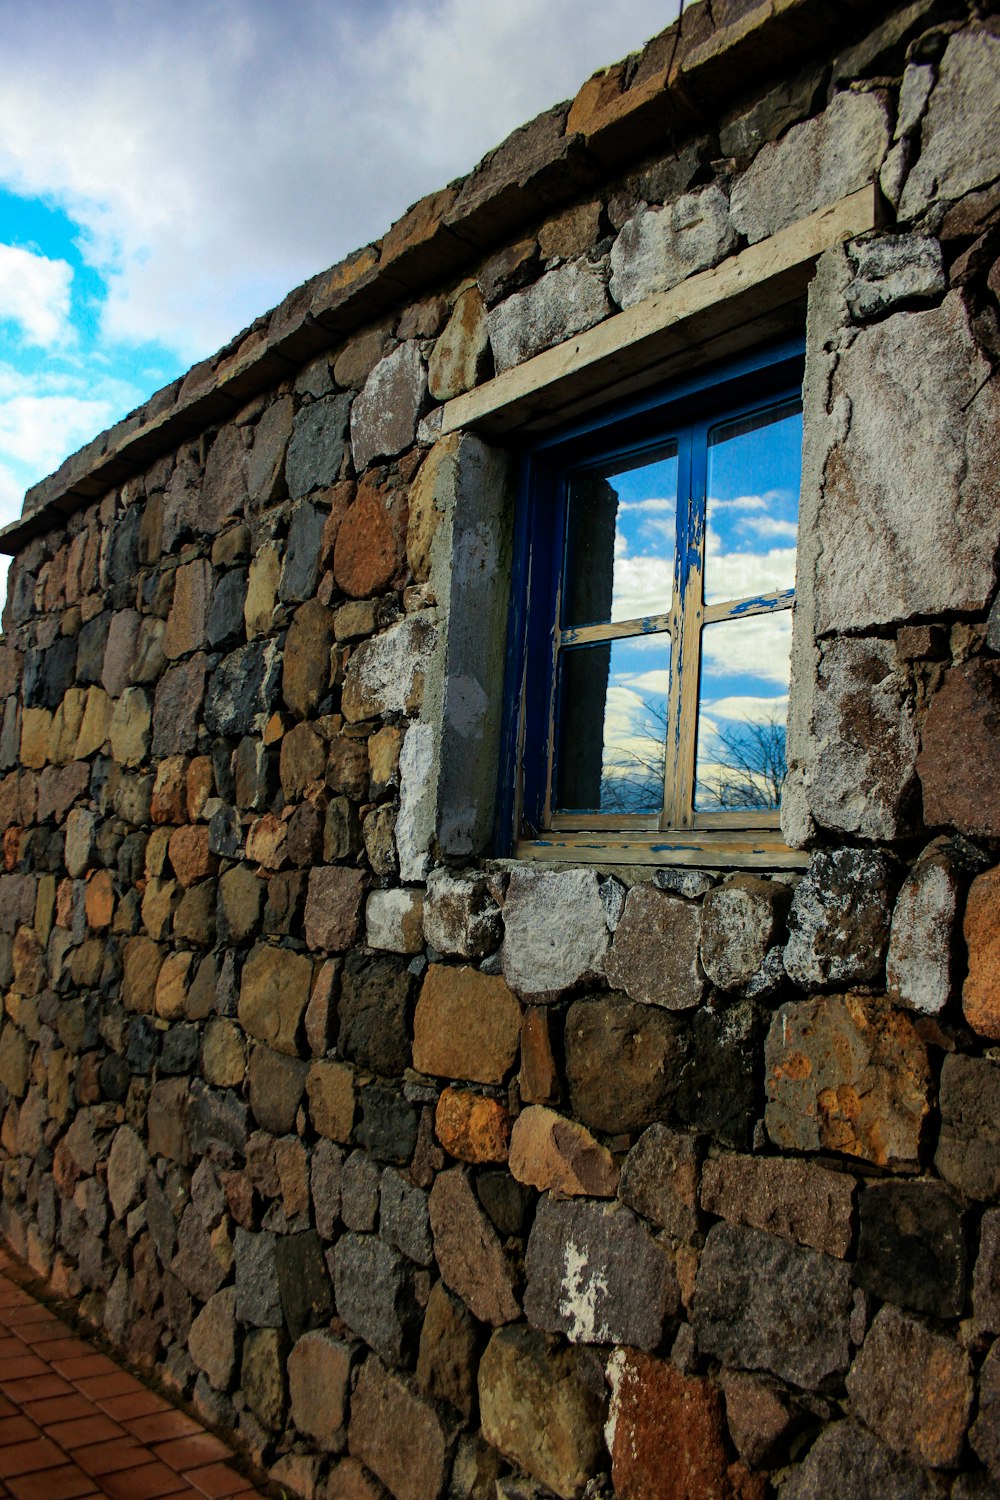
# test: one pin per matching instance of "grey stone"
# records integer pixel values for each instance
(388, 1124)
(924, 419)
(244, 687)
(225, 615)
(654, 958)
(325, 1174)
(385, 414)
(197, 1265)
(461, 915)
(217, 1120)
(263, 1376)
(404, 1218)
(266, 461)
(741, 920)
(177, 707)
(179, 1052)
(127, 1166)
(914, 92)
(300, 569)
(911, 1247)
(276, 1085)
(563, 302)
(852, 1463)
(418, 786)
(862, 779)
(718, 1088)
(595, 1274)
(691, 884)
(761, 1303)
(661, 246)
(375, 1296)
(225, 835)
(375, 1011)
(623, 1062)
(319, 1380)
(212, 1339)
(224, 489)
(359, 1191)
(383, 671)
(258, 1296)
(303, 1283)
(317, 446)
(769, 116)
(893, 269)
(555, 931)
(812, 165)
(912, 1387)
(839, 919)
(660, 1180)
(968, 1153)
(959, 150)
(920, 964)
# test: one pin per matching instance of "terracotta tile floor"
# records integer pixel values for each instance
(74, 1424)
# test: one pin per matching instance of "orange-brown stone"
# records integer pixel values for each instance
(190, 855)
(981, 991)
(200, 785)
(538, 1080)
(169, 801)
(100, 899)
(472, 1128)
(667, 1435)
(371, 541)
(550, 1152)
(466, 1025)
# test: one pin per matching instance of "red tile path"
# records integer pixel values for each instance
(75, 1424)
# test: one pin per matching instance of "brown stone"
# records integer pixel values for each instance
(461, 355)
(757, 1416)
(274, 993)
(660, 1180)
(798, 1200)
(177, 706)
(200, 785)
(400, 1437)
(212, 1340)
(540, 1409)
(467, 1025)
(319, 1373)
(472, 1128)
(959, 760)
(187, 621)
(303, 760)
(468, 1250)
(306, 666)
(172, 986)
(169, 800)
(549, 1152)
(623, 1061)
(850, 1074)
(968, 1153)
(140, 969)
(223, 1053)
(190, 855)
(266, 841)
(446, 1366)
(371, 541)
(654, 957)
(350, 1480)
(383, 756)
(100, 899)
(240, 896)
(981, 991)
(333, 907)
(347, 767)
(667, 1435)
(986, 1283)
(330, 1088)
(538, 1080)
(913, 1387)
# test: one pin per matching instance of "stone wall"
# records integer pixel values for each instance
(420, 1169)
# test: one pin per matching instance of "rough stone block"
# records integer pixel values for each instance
(667, 1435)
(305, 670)
(552, 1153)
(319, 1373)
(595, 1274)
(563, 302)
(797, 1200)
(660, 1180)
(394, 920)
(847, 1074)
(449, 1351)
(851, 1462)
(893, 269)
(959, 150)
(243, 689)
(913, 1388)
(467, 1025)
(654, 957)
(317, 446)
(274, 993)
(333, 907)
(461, 916)
(718, 1089)
(959, 761)
(981, 927)
(661, 246)
(212, 1339)
(384, 674)
(370, 550)
(986, 1282)
(187, 622)
(985, 1433)
(384, 415)
(839, 919)
(375, 1296)
(404, 1218)
(968, 1153)
(263, 1376)
(911, 1247)
(303, 1281)
(275, 1085)
(555, 931)
(920, 962)
(623, 1061)
(468, 1251)
(400, 1437)
(761, 1303)
(472, 1127)
(374, 1013)
(330, 1087)
(741, 920)
(539, 1408)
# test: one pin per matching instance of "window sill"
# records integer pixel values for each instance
(739, 849)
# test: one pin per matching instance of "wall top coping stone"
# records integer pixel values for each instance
(656, 97)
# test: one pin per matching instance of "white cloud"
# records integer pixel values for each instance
(758, 646)
(745, 575)
(744, 709)
(35, 294)
(215, 155)
(642, 586)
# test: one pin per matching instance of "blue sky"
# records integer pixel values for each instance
(169, 172)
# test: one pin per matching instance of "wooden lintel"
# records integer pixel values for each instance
(747, 292)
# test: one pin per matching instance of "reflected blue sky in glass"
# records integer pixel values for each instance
(754, 473)
(742, 708)
(612, 726)
(620, 556)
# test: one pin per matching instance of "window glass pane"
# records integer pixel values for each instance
(611, 711)
(620, 527)
(742, 708)
(754, 473)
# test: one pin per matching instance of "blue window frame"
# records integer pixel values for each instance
(650, 632)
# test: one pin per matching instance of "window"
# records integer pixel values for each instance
(655, 573)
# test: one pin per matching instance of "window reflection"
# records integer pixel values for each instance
(620, 533)
(611, 714)
(754, 476)
(742, 708)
